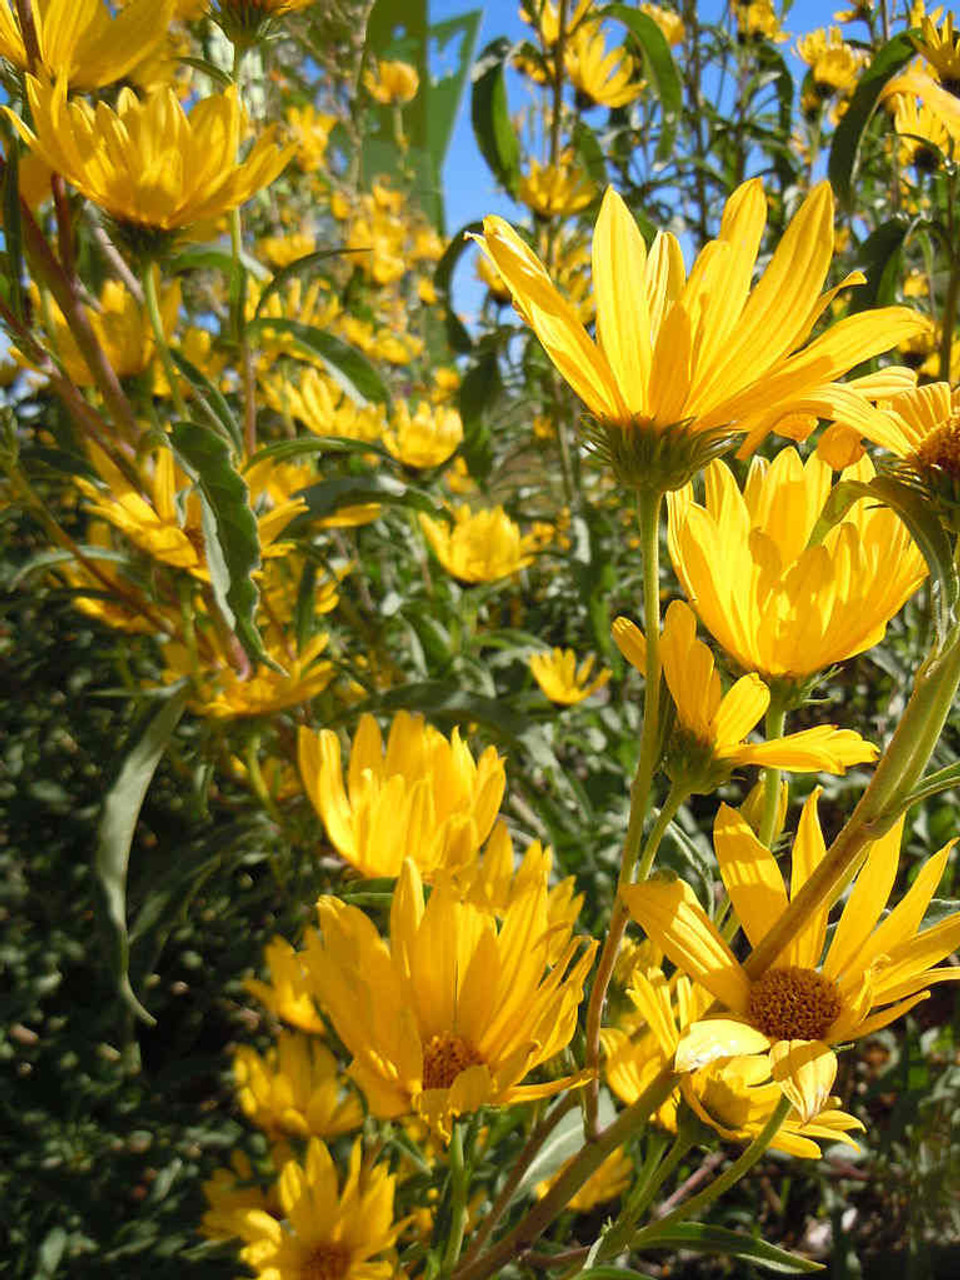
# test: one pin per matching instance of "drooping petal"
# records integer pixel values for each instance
(805, 1070)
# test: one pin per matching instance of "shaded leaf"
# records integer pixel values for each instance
(284, 450)
(348, 367)
(231, 538)
(845, 149)
(211, 399)
(12, 237)
(121, 809)
(701, 1237)
(880, 258)
(489, 112)
(328, 497)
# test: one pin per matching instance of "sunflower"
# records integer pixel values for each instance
(427, 438)
(610, 79)
(681, 361)
(482, 546)
(562, 680)
(778, 605)
(294, 1091)
(455, 1011)
(874, 969)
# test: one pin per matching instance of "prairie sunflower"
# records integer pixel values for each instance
(873, 971)
(454, 1012)
(682, 363)
(482, 546)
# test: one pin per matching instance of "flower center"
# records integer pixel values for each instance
(326, 1262)
(444, 1057)
(941, 449)
(794, 1004)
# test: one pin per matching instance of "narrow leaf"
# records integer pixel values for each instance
(700, 1237)
(880, 256)
(845, 150)
(660, 67)
(284, 450)
(211, 400)
(349, 368)
(491, 116)
(231, 539)
(328, 497)
(121, 809)
(11, 229)
(299, 267)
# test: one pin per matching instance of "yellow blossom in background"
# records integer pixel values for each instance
(81, 42)
(874, 969)
(556, 190)
(225, 694)
(562, 680)
(280, 251)
(295, 1091)
(310, 129)
(759, 18)
(670, 357)
(776, 605)
(322, 408)
(482, 546)
(607, 1183)
(287, 995)
(940, 49)
(423, 797)
(712, 726)
(324, 1232)
(230, 1193)
(834, 65)
(458, 478)
(924, 137)
(545, 16)
(733, 1094)
(428, 438)
(669, 22)
(110, 595)
(392, 83)
(610, 79)
(454, 1012)
(147, 163)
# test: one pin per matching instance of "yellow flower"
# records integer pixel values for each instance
(427, 439)
(606, 1183)
(147, 163)
(482, 546)
(392, 83)
(608, 78)
(733, 1095)
(280, 251)
(556, 190)
(562, 680)
(924, 136)
(670, 23)
(225, 694)
(81, 42)
(834, 65)
(778, 606)
(327, 1232)
(229, 1194)
(128, 609)
(288, 995)
(454, 1012)
(759, 18)
(425, 797)
(294, 1092)
(311, 130)
(940, 48)
(874, 970)
(704, 354)
(312, 400)
(711, 726)
(545, 16)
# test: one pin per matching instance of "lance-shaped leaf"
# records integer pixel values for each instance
(230, 535)
(211, 400)
(701, 1237)
(491, 117)
(328, 497)
(121, 809)
(348, 367)
(845, 149)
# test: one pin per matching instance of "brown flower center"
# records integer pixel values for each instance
(942, 449)
(794, 1004)
(444, 1057)
(326, 1262)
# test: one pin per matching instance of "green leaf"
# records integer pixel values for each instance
(457, 334)
(211, 400)
(479, 391)
(299, 267)
(50, 559)
(121, 809)
(564, 1141)
(12, 236)
(942, 780)
(700, 1237)
(607, 1271)
(880, 257)
(659, 66)
(231, 539)
(928, 533)
(284, 450)
(845, 150)
(348, 367)
(491, 116)
(212, 257)
(443, 95)
(209, 69)
(328, 497)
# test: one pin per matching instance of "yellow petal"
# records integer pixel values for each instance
(623, 321)
(805, 1070)
(714, 1038)
(750, 874)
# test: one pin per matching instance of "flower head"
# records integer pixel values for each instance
(424, 797)
(482, 546)
(454, 1012)
(562, 680)
(428, 438)
(940, 49)
(701, 356)
(711, 726)
(287, 995)
(148, 164)
(327, 1232)
(392, 83)
(294, 1091)
(873, 971)
(81, 42)
(556, 190)
(776, 604)
(610, 79)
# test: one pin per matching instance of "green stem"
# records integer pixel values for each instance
(458, 1199)
(776, 719)
(678, 793)
(618, 1237)
(737, 1170)
(585, 1163)
(648, 505)
(160, 338)
(900, 767)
